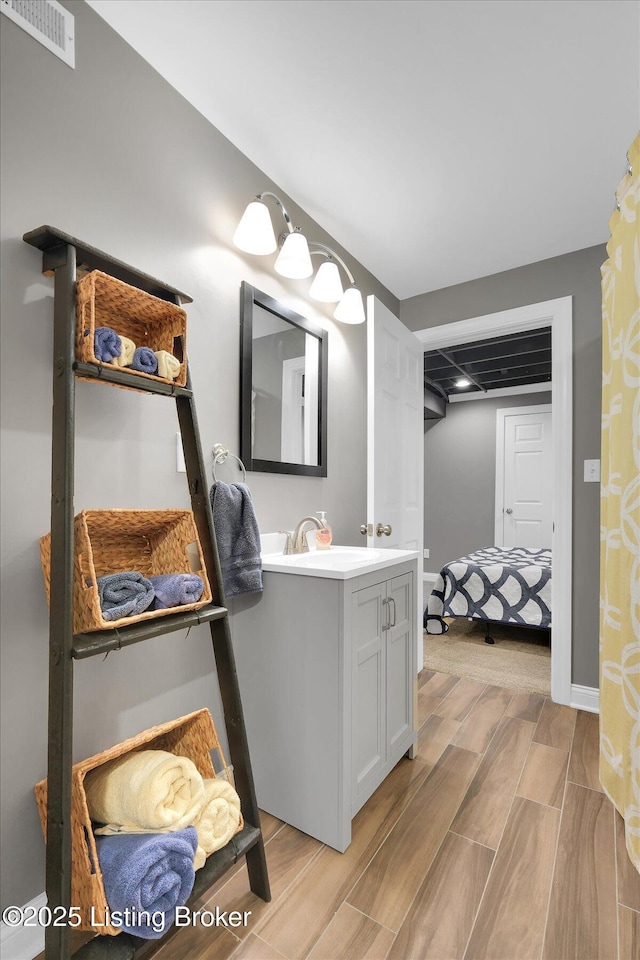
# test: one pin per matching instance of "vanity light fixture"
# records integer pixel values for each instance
(254, 234)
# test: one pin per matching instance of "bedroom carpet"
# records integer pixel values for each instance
(520, 659)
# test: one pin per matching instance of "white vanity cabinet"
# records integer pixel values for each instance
(381, 682)
(327, 671)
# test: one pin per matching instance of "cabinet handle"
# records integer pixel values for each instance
(391, 600)
(387, 623)
(383, 528)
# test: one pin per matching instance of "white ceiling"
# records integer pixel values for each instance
(437, 140)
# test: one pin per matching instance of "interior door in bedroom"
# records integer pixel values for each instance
(395, 439)
(524, 483)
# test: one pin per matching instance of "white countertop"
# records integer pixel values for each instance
(336, 563)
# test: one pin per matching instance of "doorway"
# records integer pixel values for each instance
(556, 314)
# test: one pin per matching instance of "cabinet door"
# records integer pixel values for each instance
(369, 617)
(399, 640)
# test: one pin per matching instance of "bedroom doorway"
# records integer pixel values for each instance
(556, 314)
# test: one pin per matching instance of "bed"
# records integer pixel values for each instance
(496, 584)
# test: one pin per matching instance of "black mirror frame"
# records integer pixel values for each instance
(248, 297)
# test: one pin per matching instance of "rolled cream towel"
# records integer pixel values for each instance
(168, 365)
(218, 819)
(151, 789)
(128, 350)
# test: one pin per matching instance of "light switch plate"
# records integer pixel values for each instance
(425, 554)
(592, 471)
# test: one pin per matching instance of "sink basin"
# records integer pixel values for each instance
(336, 556)
(338, 563)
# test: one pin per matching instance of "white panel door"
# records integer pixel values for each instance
(395, 437)
(524, 511)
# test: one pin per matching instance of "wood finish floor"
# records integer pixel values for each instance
(496, 843)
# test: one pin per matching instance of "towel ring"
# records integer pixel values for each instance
(220, 454)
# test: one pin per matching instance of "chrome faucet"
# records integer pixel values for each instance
(299, 540)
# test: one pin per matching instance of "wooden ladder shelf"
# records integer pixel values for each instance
(63, 256)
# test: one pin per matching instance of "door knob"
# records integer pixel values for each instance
(363, 529)
(508, 510)
(383, 528)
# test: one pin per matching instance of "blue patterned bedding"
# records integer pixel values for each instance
(505, 585)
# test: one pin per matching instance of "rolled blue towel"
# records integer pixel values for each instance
(146, 876)
(107, 345)
(124, 594)
(175, 589)
(144, 360)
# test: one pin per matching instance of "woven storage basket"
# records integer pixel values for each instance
(150, 542)
(193, 736)
(103, 301)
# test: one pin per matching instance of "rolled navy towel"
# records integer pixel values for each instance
(144, 360)
(106, 344)
(175, 589)
(124, 594)
(146, 876)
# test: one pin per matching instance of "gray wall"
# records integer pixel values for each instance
(577, 275)
(110, 153)
(460, 477)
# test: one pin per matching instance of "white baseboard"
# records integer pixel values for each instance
(23, 943)
(430, 577)
(585, 698)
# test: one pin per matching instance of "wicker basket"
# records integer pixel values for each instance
(150, 542)
(103, 301)
(193, 736)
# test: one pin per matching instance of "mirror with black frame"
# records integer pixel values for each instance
(283, 389)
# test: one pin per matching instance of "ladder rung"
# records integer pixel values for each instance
(121, 377)
(101, 641)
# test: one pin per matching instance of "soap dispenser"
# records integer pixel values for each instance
(323, 535)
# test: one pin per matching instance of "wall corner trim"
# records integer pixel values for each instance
(24, 943)
(585, 698)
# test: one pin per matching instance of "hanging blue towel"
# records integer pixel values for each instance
(124, 594)
(238, 538)
(175, 589)
(146, 876)
(106, 344)
(144, 360)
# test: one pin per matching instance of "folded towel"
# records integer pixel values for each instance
(238, 538)
(146, 877)
(106, 344)
(175, 589)
(151, 789)
(144, 360)
(218, 820)
(126, 356)
(168, 365)
(124, 594)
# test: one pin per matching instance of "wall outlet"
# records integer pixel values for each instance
(181, 466)
(425, 554)
(592, 471)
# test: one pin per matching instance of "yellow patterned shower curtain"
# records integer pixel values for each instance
(620, 510)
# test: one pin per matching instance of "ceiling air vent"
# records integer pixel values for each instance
(46, 20)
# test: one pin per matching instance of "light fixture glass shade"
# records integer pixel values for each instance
(254, 233)
(351, 308)
(463, 382)
(294, 260)
(326, 286)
